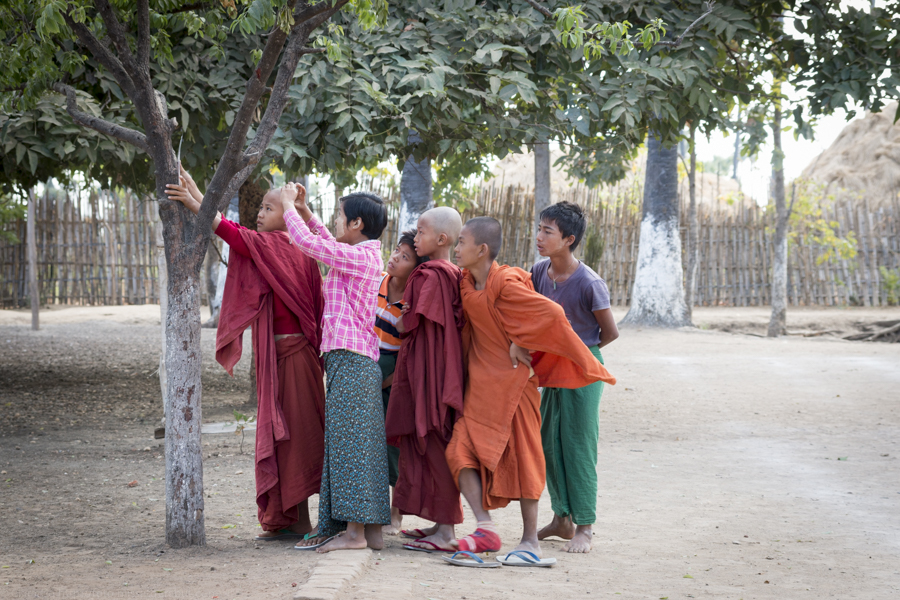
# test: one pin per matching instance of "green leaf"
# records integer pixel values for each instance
(495, 86)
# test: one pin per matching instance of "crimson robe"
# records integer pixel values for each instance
(291, 408)
(427, 394)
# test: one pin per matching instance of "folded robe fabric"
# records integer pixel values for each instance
(500, 428)
(274, 267)
(427, 393)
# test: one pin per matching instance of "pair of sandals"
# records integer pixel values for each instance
(516, 558)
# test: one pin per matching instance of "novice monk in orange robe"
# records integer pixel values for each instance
(495, 453)
(427, 392)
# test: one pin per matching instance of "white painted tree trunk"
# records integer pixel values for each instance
(541, 185)
(693, 233)
(31, 242)
(416, 192)
(778, 319)
(657, 298)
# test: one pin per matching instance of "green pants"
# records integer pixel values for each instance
(388, 362)
(570, 433)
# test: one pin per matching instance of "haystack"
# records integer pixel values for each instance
(864, 160)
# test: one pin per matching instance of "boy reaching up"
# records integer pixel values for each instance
(274, 288)
(495, 453)
(427, 393)
(570, 418)
(354, 501)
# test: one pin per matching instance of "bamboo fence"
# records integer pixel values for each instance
(102, 251)
(98, 251)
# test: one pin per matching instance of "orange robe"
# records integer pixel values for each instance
(499, 434)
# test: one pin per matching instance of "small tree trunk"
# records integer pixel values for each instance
(657, 297)
(737, 148)
(31, 241)
(541, 185)
(693, 233)
(778, 320)
(416, 194)
(162, 282)
(211, 278)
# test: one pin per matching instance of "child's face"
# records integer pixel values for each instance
(427, 239)
(271, 213)
(468, 253)
(348, 233)
(402, 261)
(550, 240)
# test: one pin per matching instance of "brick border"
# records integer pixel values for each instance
(332, 573)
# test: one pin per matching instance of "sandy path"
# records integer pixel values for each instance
(709, 437)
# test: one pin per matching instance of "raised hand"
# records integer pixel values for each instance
(180, 193)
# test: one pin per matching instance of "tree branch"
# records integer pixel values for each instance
(143, 34)
(534, 4)
(116, 33)
(677, 42)
(135, 138)
(103, 55)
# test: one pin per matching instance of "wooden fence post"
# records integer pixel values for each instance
(32, 263)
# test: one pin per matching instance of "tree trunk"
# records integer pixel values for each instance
(416, 195)
(657, 297)
(211, 279)
(541, 185)
(693, 233)
(737, 148)
(184, 463)
(31, 241)
(162, 287)
(778, 320)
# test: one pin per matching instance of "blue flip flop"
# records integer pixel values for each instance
(524, 558)
(469, 560)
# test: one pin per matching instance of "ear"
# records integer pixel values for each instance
(356, 223)
(569, 241)
(443, 239)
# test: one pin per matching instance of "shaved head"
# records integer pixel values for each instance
(444, 220)
(486, 230)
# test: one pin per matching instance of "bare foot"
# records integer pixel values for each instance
(373, 537)
(396, 523)
(344, 541)
(582, 541)
(529, 546)
(561, 527)
(443, 536)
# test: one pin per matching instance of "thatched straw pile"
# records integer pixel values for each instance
(864, 160)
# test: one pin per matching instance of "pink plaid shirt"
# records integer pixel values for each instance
(351, 286)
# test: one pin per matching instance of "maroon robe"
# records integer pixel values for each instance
(289, 383)
(427, 394)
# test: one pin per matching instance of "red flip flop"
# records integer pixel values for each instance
(480, 541)
(413, 534)
(434, 548)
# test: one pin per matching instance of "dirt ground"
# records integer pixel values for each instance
(731, 466)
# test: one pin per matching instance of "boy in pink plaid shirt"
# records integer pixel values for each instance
(355, 493)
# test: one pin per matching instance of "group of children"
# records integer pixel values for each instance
(431, 375)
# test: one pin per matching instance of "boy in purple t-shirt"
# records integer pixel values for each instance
(570, 419)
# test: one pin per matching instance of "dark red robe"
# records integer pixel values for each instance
(427, 394)
(289, 383)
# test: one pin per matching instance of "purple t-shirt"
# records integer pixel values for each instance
(579, 295)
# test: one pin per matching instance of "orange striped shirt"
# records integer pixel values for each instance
(386, 317)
